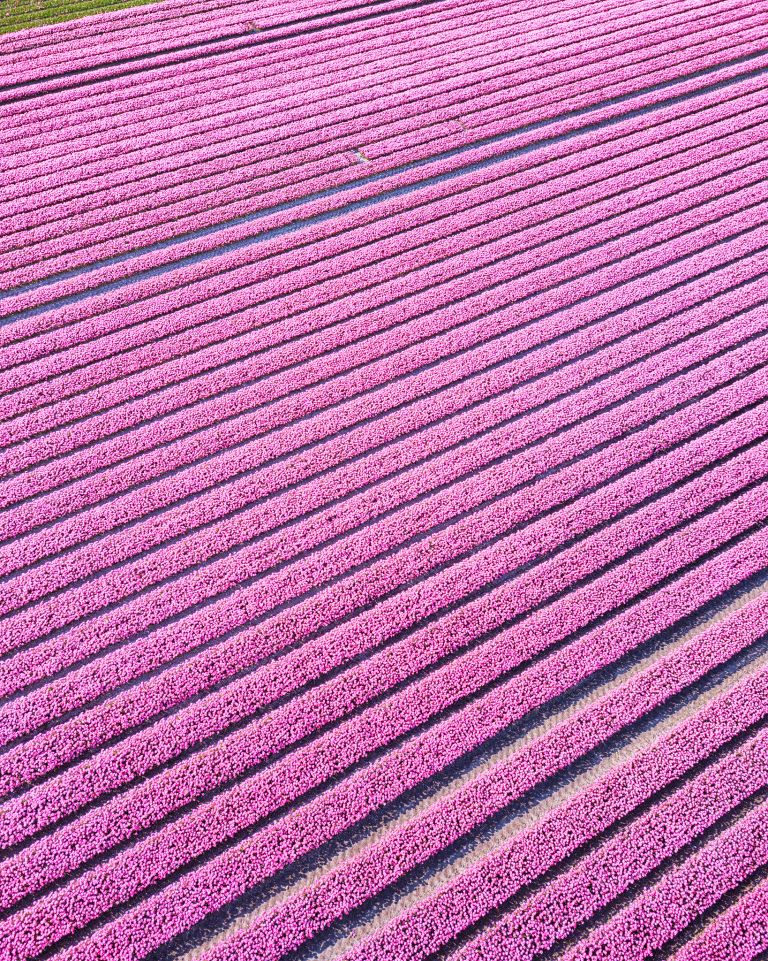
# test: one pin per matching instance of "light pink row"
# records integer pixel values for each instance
(589, 603)
(499, 876)
(354, 67)
(361, 236)
(739, 934)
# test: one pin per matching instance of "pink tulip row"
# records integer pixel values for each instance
(488, 414)
(17, 554)
(84, 782)
(133, 17)
(170, 41)
(440, 378)
(669, 906)
(321, 60)
(101, 146)
(334, 416)
(305, 75)
(179, 904)
(392, 147)
(256, 596)
(118, 714)
(599, 878)
(294, 75)
(51, 34)
(585, 284)
(22, 68)
(105, 826)
(548, 916)
(248, 94)
(527, 44)
(181, 671)
(85, 367)
(495, 879)
(234, 534)
(139, 88)
(128, 412)
(206, 42)
(392, 339)
(535, 171)
(437, 191)
(406, 177)
(739, 934)
(466, 426)
(274, 679)
(171, 16)
(70, 54)
(170, 204)
(62, 263)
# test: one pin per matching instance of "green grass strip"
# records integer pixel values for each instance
(20, 14)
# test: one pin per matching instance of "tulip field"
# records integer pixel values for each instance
(384, 481)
